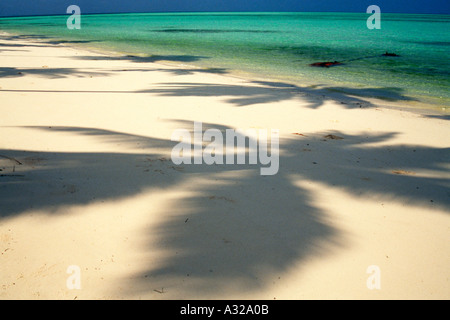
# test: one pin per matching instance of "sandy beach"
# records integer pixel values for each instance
(93, 207)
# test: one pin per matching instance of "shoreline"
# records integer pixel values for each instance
(381, 97)
(87, 180)
(414, 106)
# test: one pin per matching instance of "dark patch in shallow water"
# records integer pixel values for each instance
(212, 31)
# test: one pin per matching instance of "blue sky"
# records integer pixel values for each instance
(43, 7)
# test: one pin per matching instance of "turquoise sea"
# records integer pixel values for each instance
(276, 46)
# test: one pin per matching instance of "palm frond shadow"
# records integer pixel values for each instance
(145, 59)
(259, 92)
(252, 92)
(51, 73)
(238, 230)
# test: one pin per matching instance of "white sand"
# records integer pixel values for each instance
(96, 187)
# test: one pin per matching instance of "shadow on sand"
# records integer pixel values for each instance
(257, 92)
(145, 59)
(240, 230)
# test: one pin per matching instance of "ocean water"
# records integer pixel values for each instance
(277, 47)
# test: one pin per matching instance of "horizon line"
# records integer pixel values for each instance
(205, 12)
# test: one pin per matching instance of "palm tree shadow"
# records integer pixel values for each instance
(260, 92)
(144, 59)
(77, 178)
(246, 231)
(178, 71)
(238, 231)
(39, 41)
(236, 236)
(255, 92)
(51, 73)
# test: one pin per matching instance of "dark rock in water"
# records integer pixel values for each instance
(387, 54)
(325, 64)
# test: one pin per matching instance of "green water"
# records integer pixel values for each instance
(277, 46)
